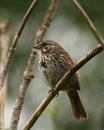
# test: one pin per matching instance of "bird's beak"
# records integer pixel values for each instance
(37, 46)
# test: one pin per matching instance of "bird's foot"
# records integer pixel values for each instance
(52, 91)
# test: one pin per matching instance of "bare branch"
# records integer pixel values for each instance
(15, 41)
(57, 87)
(4, 40)
(89, 22)
(28, 73)
(46, 22)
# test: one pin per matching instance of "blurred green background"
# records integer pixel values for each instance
(70, 30)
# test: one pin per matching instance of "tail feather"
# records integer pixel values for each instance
(79, 111)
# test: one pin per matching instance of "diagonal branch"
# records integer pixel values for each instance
(15, 41)
(28, 73)
(89, 22)
(46, 22)
(57, 87)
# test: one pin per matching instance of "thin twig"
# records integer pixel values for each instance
(15, 41)
(89, 22)
(46, 22)
(4, 40)
(57, 87)
(28, 73)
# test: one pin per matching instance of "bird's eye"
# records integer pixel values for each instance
(45, 49)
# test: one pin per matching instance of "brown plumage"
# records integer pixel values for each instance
(54, 62)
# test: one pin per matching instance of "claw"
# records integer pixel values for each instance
(51, 90)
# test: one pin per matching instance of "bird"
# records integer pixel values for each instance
(53, 63)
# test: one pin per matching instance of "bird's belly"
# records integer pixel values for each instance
(52, 73)
(50, 76)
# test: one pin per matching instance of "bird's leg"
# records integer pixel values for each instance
(52, 91)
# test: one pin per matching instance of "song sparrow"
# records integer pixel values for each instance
(54, 61)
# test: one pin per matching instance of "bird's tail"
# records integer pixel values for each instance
(79, 111)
